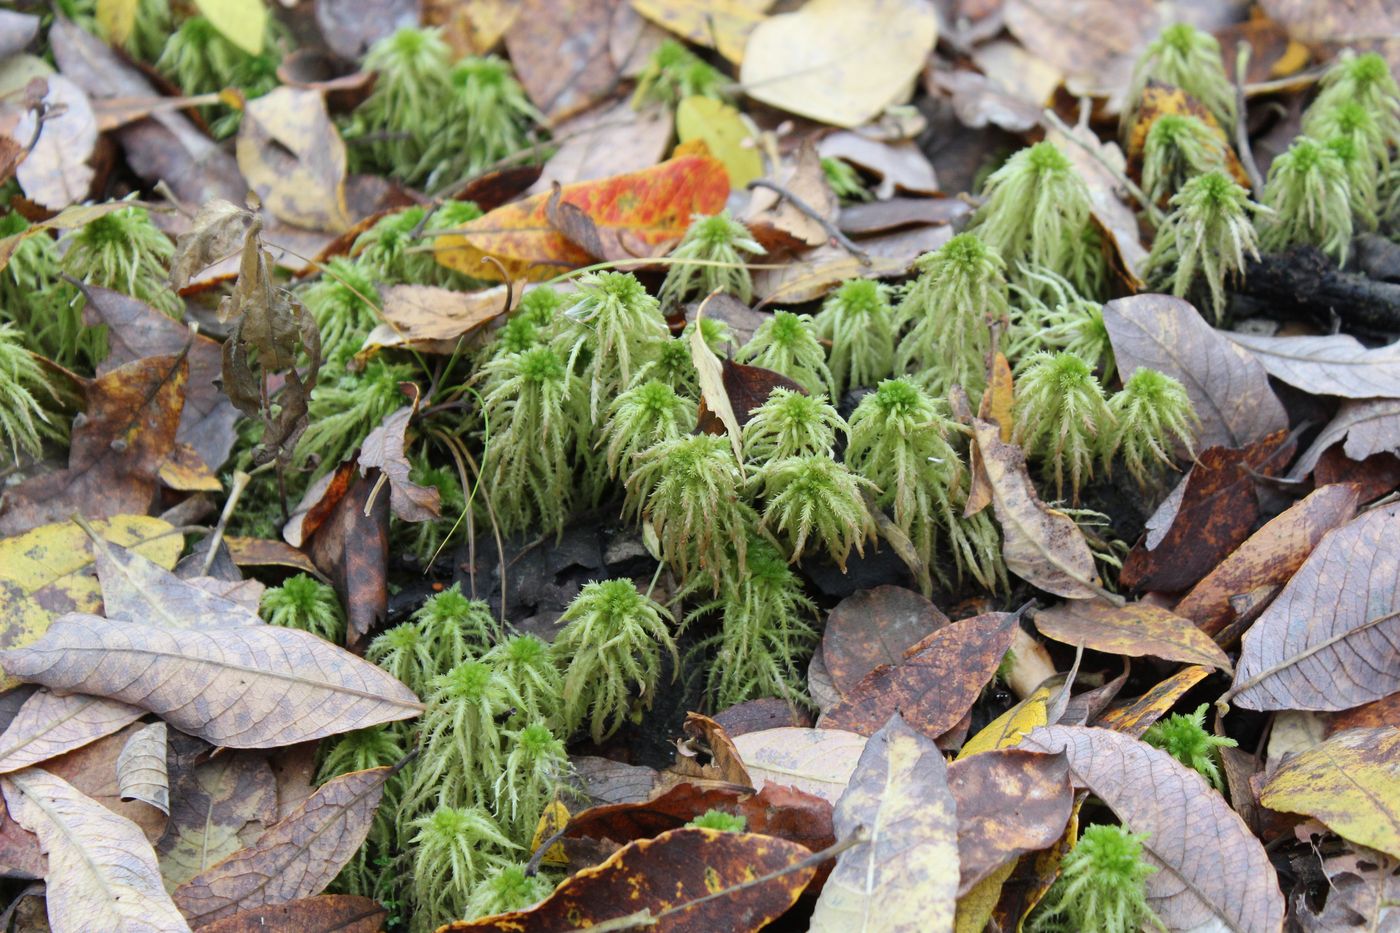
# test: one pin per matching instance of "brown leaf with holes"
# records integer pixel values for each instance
(327, 913)
(383, 450)
(936, 683)
(1211, 868)
(296, 857)
(117, 449)
(561, 86)
(1136, 717)
(660, 878)
(1211, 513)
(1269, 557)
(874, 627)
(1133, 630)
(1328, 640)
(1009, 802)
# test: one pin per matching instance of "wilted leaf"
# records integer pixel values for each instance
(50, 724)
(608, 140)
(839, 61)
(1269, 557)
(1335, 364)
(1364, 887)
(1132, 630)
(937, 682)
(261, 552)
(904, 877)
(647, 211)
(1009, 802)
(714, 394)
(1093, 42)
(874, 627)
(102, 872)
(341, 913)
(722, 25)
(819, 270)
(216, 234)
(1227, 385)
(293, 157)
(1212, 870)
(1137, 717)
(559, 83)
(603, 780)
(657, 879)
(818, 761)
(1368, 427)
(1007, 729)
(1327, 641)
(295, 858)
(434, 320)
(217, 807)
(56, 172)
(243, 22)
(1351, 783)
(275, 685)
(141, 773)
(383, 450)
(1041, 545)
(1111, 215)
(706, 738)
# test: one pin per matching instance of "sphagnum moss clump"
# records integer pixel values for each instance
(384, 251)
(406, 109)
(36, 300)
(1188, 58)
(1179, 147)
(1185, 738)
(486, 117)
(22, 383)
(791, 424)
(454, 848)
(674, 73)
(811, 500)
(1049, 314)
(536, 763)
(721, 245)
(787, 343)
(341, 301)
(1102, 886)
(612, 642)
(1363, 180)
(1365, 80)
(642, 417)
(455, 627)
(344, 410)
(504, 889)
(308, 604)
(1352, 119)
(859, 323)
(127, 253)
(950, 310)
(406, 655)
(1061, 417)
(1309, 192)
(613, 327)
(1152, 415)
(526, 661)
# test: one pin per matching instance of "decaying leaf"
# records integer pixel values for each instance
(141, 772)
(435, 320)
(1211, 868)
(342, 913)
(1335, 364)
(50, 724)
(1132, 630)
(901, 165)
(874, 627)
(723, 25)
(297, 857)
(607, 140)
(563, 84)
(383, 450)
(1137, 717)
(275, 685)
(102, 872)
(779, 224)
(1366, 427)
(821, 269)
(713, 392)
(818, 761)
(904, 877)
(56, 172)
(1007, 729)
(350, 546)
(1093, 42)
(1327, 641)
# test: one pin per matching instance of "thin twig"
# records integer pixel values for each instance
(240, 483)
(812, 213)
(1153, 214)
(1246, 154)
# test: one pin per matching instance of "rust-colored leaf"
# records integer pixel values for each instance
(1327, 642)
(1212, 870)
(352, 550)
(1133, 630)
(935, 685)
(746, 387)
(707, 738)
(817, 761)
(668, 883)
(1137, 717)
(1009, 802)
(328, 913)
(1382, 712)
(1269, 557)
(874, 627)
(275, 685)
(383, 450)
(295, 858)
(904, 878)
(1210, 514)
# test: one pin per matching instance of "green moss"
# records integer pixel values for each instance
(674, 366)
(22, 416)
(1188, 58)
(787, 344)
(424, 539)
(1185, 738)
(1102, 886)
(611, 329)
(1179, 147)
(1353, 120)
(674, 73)
(1048, 314)
(718, 819)
(199, 59)
(1363, 179)
(36, 300)
(394, 126)
(384, 251)
(1310, 195)
(858, 322)
(1152, 415)
(642, 417)
(790, 424)
(454, 849)
(342, 301)
(535, 766)
(1204, 240)
(486, 117)
(457, 628)
(344, 410)
(527, 663)
(813, 500)
(844, 180)
(716, 239)
(1364, 80)
(1061, 417)
(125, 252)
(306, 603)
(505, 889)
(360, 750)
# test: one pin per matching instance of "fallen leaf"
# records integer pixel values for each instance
(714, 393)
(242, 22)
(726, 134)
(1041, 545)
(435, 320)
(102, 873)
(603, 781)
(1326, 641)
(608, 140)
(648, 210)
(341, 913)
(1134, 630)
(260, 552)
(1363, 887)
(129, 429)
(722, 25)
(874, 627)
(1367, 427)
(351, 549)
(293, 157)
(1094, 43)
(1269, 556)
(817, 761)
(1335, 364)
(1137, 717)
(746, 387)
(17, 30)
(294, 858)
(901, 166)
(779, 224)
(838, 61)
(760, 714)
(1227, 386)
(904, 877)
(1110, 214)
(936, 683)
(1009, 802)
(884, 216)
(1382, 712)
(1215, 510)
(1007, 729)
(51, 724)
(980, 101)
(66, 219)
(1212, 870)
(383, 450)
(56, 172)
(473, 27)
(275, 685)
(817, 271)
(705, 738)
(141, 773)
(1307, 22)
(562, 85)
(671, 881)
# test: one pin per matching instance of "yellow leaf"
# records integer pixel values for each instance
(116, 18)
(1007, 729)
(724, 133)
(722, 25)
(1000, 396)
(44, 572)
(554, 818)
(976, 906)
(710, 374)
(243, 22)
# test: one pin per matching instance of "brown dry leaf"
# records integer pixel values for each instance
(293, 157)
(328, 913)
(884, 216)
(141, 773)
(1326, 22)
(1159, 100)
(817, 271)
(1211, 512)
(1212, 870)
(1227, 385)
(51, 724)
(704, 736)
(1382, 712)
(132, 416)
(351, 548)
(760, 714)
(818, 761)
(746, 387)
(1334, 364)
(1094, 43)
(470, 27)
(216, 235)
(1351, 783)
(980, 101)
(776, 222)
(1133, 630)
(561, 86)
(1000, 397)
(434, 320)
(1009, 802)
(874, 627)
(56, 172)
(1137, 717)
(275, 685)
(1041, 545)
(608, 140)
(838, 61)
(1327, 641)
(102, 872)
(937, 682)
(1368, 427)
(603, 781)
(1364, 887)
(260, 552)
(900, 165)
(714, 394)
(1269, 557)
(295, 858)
(904, 879)
(383, 450)
(722, 25)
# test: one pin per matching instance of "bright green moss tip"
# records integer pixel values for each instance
(1185, 738)
(1102, 886)
(308, 604)
(718, 819)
